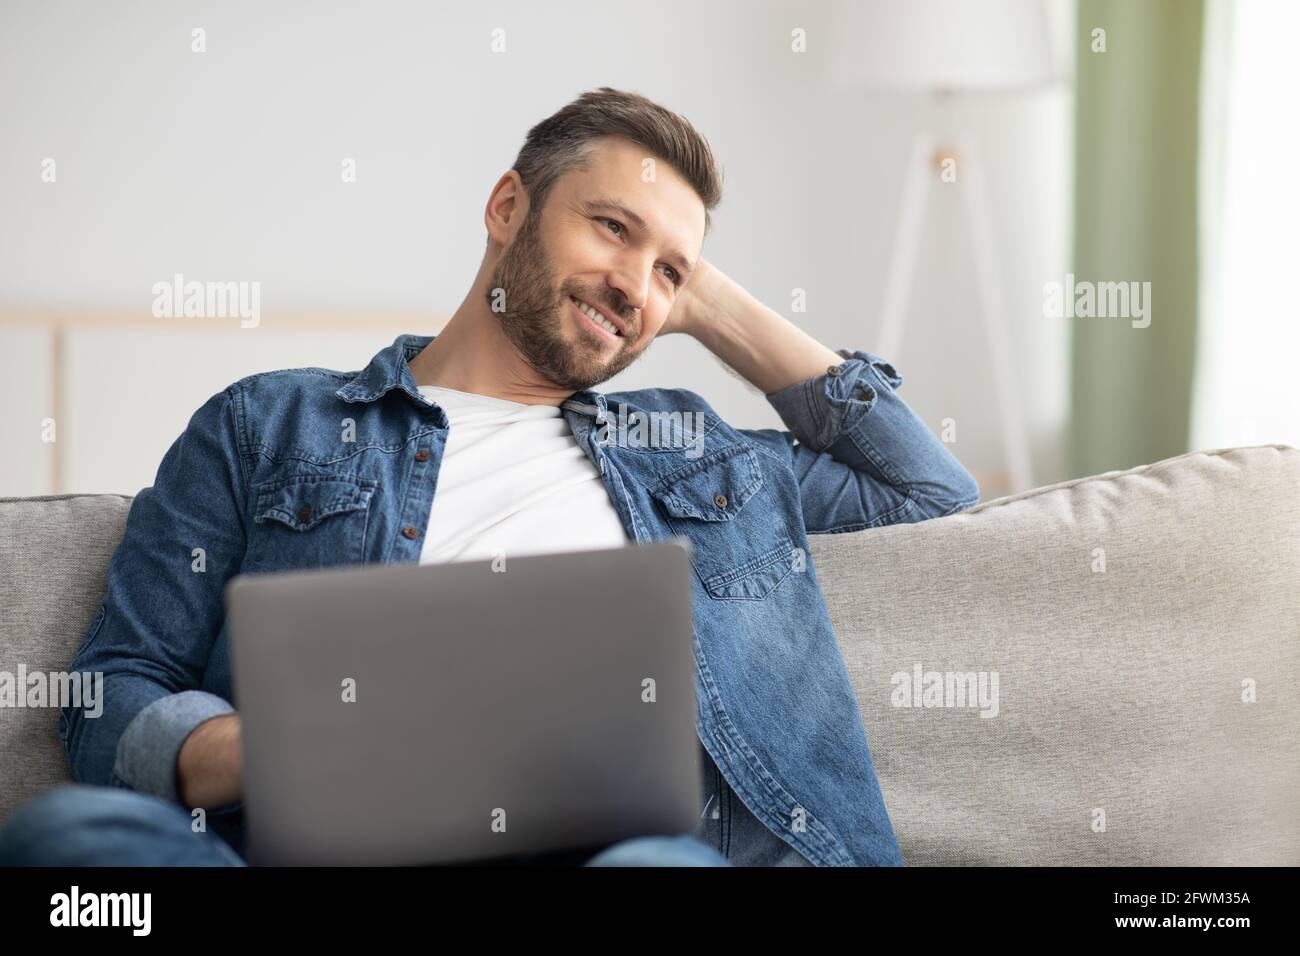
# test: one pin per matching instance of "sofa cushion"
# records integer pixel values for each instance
(1122, 734)
(54, 555)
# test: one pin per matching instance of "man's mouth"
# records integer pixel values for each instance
(596, 319)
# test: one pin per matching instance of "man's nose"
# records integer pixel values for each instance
(632, 286)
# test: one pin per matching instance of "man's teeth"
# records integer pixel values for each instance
(596, 317)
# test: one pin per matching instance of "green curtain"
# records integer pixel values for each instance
(1136, 133)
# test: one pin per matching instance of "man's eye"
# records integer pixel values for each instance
(675, 276)
(613, 222)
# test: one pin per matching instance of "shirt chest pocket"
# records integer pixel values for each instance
(740, 549)
(305, 521)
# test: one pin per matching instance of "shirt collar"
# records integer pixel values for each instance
(390, 369)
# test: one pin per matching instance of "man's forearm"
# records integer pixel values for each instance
(209, 767)
(770, 351)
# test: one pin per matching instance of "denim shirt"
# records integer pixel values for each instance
(306, 468)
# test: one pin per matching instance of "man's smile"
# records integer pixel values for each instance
(597, 318)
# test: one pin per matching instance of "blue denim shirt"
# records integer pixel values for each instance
(306, 468)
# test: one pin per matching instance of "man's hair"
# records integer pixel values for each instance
(562, 142)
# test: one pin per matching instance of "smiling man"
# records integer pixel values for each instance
(579, 281)
(490, 439)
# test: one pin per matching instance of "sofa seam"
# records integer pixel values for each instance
(1117, 474)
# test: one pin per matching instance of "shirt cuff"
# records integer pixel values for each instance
(148, 748)
(820, 409)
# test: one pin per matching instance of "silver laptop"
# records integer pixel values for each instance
(419, 714)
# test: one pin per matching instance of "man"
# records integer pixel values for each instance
(488, 439)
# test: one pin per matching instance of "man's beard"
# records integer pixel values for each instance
(532, 312)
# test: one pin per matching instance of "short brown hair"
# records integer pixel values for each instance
(562, 142)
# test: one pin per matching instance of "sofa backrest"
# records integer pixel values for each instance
(54, 555)
(1143, 627)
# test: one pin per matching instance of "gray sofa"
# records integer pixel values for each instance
(1143, 627)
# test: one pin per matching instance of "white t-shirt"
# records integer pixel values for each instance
(513, 481)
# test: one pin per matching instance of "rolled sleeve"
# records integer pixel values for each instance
(863, 458)
(819, 410)
(151, 742)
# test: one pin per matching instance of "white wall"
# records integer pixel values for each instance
(225, 166)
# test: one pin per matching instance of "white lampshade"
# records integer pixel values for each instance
(953, 45)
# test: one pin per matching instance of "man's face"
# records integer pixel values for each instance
(581, 248)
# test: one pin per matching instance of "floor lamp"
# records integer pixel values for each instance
(950, 48)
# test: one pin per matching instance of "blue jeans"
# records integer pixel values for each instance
(82, 825)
